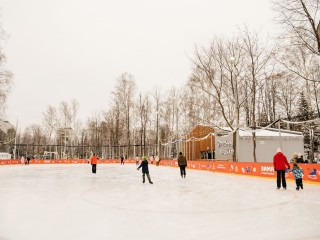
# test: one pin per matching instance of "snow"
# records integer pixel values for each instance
(268, 133)
(69, 202)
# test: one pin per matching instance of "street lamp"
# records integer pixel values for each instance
(15, 137)
(236, 106)
(158, 137)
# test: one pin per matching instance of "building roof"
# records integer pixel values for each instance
(261, 132)
(269, 132)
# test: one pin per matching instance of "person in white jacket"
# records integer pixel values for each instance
(22, 160)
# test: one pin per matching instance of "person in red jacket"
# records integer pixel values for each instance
(280, 163)
(94, 161)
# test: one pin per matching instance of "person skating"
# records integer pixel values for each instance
(145, 170)
(122, 160)
(94, 161)
(182, 162)
(22, 160)
(137, 160)
(280, 162)
(298, 175)
(28, 160)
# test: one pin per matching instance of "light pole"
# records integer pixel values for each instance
(15, 137)
(236, 107)
(158, 137)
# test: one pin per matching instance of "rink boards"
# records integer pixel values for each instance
(311, 171)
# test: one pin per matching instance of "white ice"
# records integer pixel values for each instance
(66, 202)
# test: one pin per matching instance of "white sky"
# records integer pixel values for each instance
(75, 49)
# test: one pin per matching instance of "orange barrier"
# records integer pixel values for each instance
(311, 171)
(9, 162)
(65, 161)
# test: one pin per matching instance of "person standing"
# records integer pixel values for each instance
(145, 170)
(137, 160)
(151, 159)
(298, 175)
(294, 158)
(157, 159)
(94, 161)
(182, 162)
(280, 162)
(22, 160)
(122, 160)
(300, 158)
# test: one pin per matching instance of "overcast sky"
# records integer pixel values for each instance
(60, 50)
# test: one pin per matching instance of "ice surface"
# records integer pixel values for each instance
(57, 202)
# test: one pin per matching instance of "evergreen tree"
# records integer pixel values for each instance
(304, 111)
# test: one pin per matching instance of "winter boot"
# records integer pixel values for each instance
(149, 179)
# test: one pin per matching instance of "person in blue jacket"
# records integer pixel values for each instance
(145, 170)
(298, 175)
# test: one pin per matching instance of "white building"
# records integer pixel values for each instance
(267, 142)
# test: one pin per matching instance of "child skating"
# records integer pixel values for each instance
(145, 170)
(298, 175)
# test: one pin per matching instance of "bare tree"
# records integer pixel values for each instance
(301, 22)
(68, 113)
(94, 133)
(50, 120)
(287, 95)
(124, 95)
(5, 76)
(35, 140)
(157, 99)
(217, 73)
(257, 57)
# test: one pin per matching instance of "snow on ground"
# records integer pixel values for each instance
(57, 202)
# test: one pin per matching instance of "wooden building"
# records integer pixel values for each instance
(200, 144)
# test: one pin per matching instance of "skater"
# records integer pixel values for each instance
(145, 170)
(94, 161)
(137, 160)
(298, 175)
(300, 158)
(28, 160)
(280, 162)
(157, 159)
(151, 158)
(294, 158)
(22, 160)
(182, 162)
(122, 162)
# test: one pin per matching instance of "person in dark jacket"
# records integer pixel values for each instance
(28, 160)
(182, 162)
(300, 158)
(280, 163)
(145, 170)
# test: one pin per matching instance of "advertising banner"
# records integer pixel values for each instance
(311, 171)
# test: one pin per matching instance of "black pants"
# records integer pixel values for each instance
(94, 168)
(299, 183)
(148, 176)
(183, 170)
(281, 177)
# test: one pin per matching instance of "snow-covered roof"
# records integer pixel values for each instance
(269, 132)
(262, 132)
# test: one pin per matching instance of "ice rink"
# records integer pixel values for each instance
(66, 202)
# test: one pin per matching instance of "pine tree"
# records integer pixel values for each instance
(304, 111)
